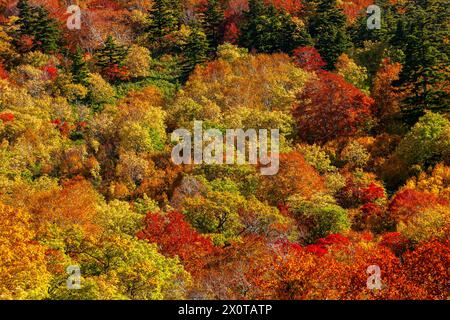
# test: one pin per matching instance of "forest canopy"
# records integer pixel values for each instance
(86, 175)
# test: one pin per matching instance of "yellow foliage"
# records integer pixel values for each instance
(437, 182)
(23, 273)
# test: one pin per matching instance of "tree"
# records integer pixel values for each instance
(295, 176)
(175, 237)
(329, 107)
(429, 265)
(421, 34)
(351, 72)
(270, 29)
(23, 267)
(137, 62)
(264, 82)
(164, 18)
(387, 97)
(36, 23)
(427, 143)
(195, 50)
(408, 203)
(213, 22)
(110, 57)
(308, 58)
(328, 27)
(79, 68)
(318, 217)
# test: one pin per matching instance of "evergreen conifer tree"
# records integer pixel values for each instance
(195, 50)
(79, 69)
(36, 23)
(422, 34)
(213, 22)
(267, 29)
(110, 54)
(328, 27)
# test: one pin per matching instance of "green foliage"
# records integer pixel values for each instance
(110, 54)
(36, 23)
(318, 217)
(328, 28)
(268, 29)
(195, 50)
(422, 34)
(79, 68)
(213, 20)
(164, 19)
(317, 157)
(428, 142)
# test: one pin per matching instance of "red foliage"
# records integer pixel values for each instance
(333, 239)
(408, 202)
(316, 249)
(64, 127)
(286, 246)
(176, 237)
(3, 73)
(329, 107)
(6, 117)
(51, 71)
(231, 33)
(321, 246)
(372, 192)
(395, 241)
(371, 209)
(115, 72)
(26, 43)
(308, 58)
(56, 122)
(354, 7)
(429, 266)
(358, 192)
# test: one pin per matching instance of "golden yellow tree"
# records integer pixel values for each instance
(23, 273)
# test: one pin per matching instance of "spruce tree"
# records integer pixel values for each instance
(213, 20)
(267, 29)
(110, 54)
(195, 50)
(26, 17)
(79, 68)
(360, 33)
(46, 31)
(36, 23)
(164, 18)
(328, 26)
(421, 34)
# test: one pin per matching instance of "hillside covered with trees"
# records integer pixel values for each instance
(87, 179)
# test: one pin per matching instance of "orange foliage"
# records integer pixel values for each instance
(387, 98)
(292, 272)
(295, 176)
(429, 265)
(409, 202)
(329, 107)
(176, 237)
(72, 206)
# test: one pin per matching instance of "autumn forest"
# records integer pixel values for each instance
(93, 207)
